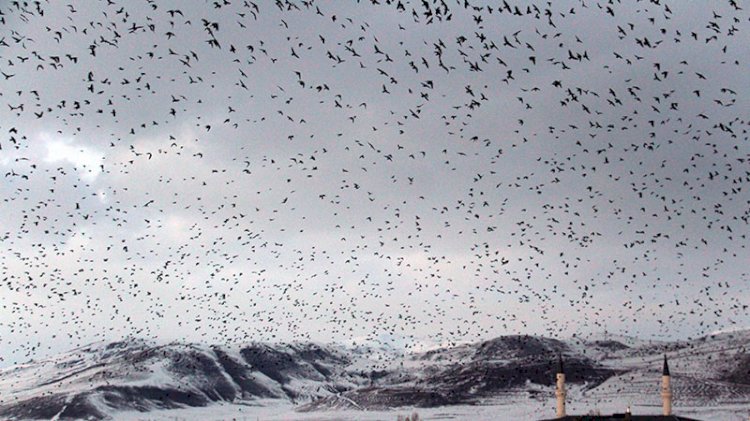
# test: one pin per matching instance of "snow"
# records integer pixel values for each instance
(533, 403)
(528, 409)
(696, 367)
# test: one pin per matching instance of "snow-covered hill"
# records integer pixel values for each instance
(95, 381)
(103, 380)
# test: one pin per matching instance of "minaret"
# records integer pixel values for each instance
(560, 388)
(666, 389)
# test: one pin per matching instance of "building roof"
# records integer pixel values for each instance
(622, 417)
(560, 365)
(665, 371)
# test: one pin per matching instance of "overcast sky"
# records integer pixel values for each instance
(371, 173)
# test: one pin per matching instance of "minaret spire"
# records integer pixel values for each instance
(560, 392)
(666, 389)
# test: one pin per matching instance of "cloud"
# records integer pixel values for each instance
(86, 160)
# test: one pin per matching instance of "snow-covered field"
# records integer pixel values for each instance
(511, 406)
(530, 410)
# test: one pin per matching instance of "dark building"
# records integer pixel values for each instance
(623, 417)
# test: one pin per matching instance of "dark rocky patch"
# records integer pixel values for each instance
(611, 345)
(74, 373)
(144, 398)
(47, 407)
(520, 346)
(274, 364)
(281, 365)
(206, 371)
(242, 375)
(741, 373)
(81, 408)
(42, 407)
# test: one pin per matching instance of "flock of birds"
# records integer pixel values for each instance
(382, 170)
